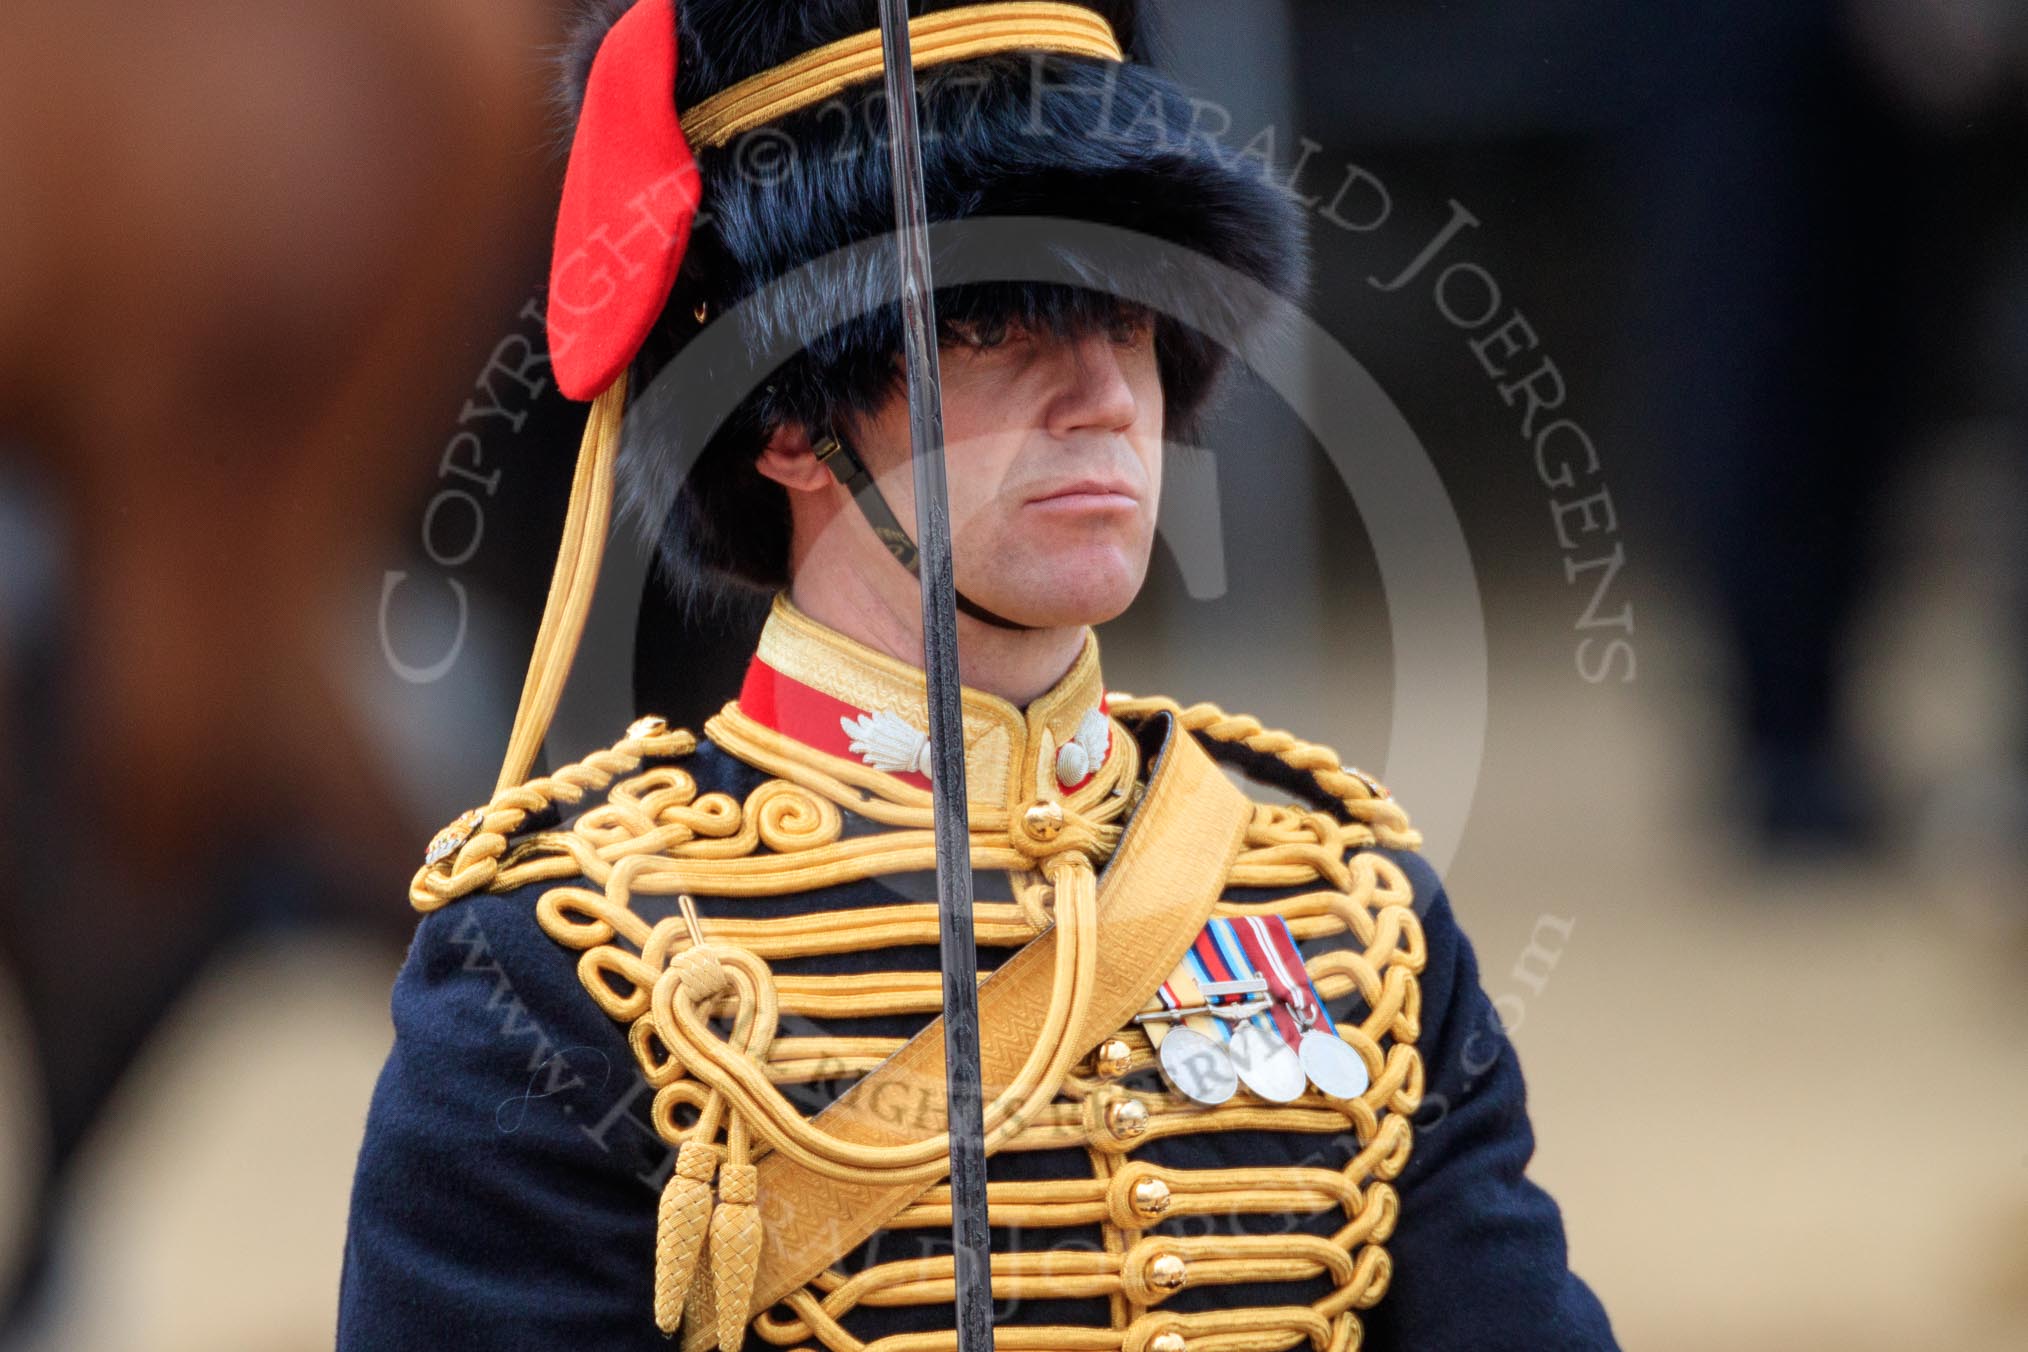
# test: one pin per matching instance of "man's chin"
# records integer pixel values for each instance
(1074, 596)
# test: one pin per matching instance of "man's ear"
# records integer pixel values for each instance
(791, 461)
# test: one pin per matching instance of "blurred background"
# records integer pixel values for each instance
(281, 473)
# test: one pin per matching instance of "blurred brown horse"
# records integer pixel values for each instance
(248, 252)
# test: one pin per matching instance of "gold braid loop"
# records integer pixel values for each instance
(739, 1074)
(475, 862)
(1363, 797)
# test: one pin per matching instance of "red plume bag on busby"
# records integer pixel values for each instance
(629, 196)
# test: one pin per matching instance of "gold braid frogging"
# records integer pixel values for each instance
(718, 1100)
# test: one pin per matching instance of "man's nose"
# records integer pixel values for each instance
(1095, 391)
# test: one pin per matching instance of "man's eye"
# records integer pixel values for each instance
(980, 334)
(1130, 327)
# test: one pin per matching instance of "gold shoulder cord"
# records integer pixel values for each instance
(671, 982)
(1377, 818)
(466, 856)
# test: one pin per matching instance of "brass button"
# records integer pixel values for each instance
(1044, 820)
(1167, 1271)
(1112, 1059)
(1127, 1118)
(650, 726)
(1151, 1197)
(1167, 1342)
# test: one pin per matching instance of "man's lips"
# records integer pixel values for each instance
(1089, 494)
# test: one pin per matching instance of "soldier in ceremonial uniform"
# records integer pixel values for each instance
(668, 1054)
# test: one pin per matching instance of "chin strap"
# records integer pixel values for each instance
(850, 471)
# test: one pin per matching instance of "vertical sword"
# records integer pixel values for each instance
(971, 1252)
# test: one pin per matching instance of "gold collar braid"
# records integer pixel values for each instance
(947, 35)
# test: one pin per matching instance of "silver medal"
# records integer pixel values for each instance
(1268, 1065)
(1332, 1065)
(1197, 1066)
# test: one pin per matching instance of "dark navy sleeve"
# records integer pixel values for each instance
(1480, 1263)
(506, 1189)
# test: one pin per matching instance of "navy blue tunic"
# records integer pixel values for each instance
(506, 1190)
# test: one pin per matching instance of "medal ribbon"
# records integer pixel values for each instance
(1269, 944)
(1180, 992)
(1221, 956)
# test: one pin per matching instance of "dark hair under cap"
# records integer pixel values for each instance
(1046, 137)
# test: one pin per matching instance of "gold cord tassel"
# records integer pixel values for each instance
(735, 1251)
(680, 1230)
(585, 523)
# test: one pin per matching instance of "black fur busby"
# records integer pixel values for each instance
(1038, 139)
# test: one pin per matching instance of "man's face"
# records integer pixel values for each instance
(1054, 447)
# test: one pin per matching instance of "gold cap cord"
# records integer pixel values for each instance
(947, 35)
(585, 524)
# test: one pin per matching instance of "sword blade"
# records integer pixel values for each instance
(969, 1233)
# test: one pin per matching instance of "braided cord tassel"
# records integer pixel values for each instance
(735, 1240)
(680, 1230)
